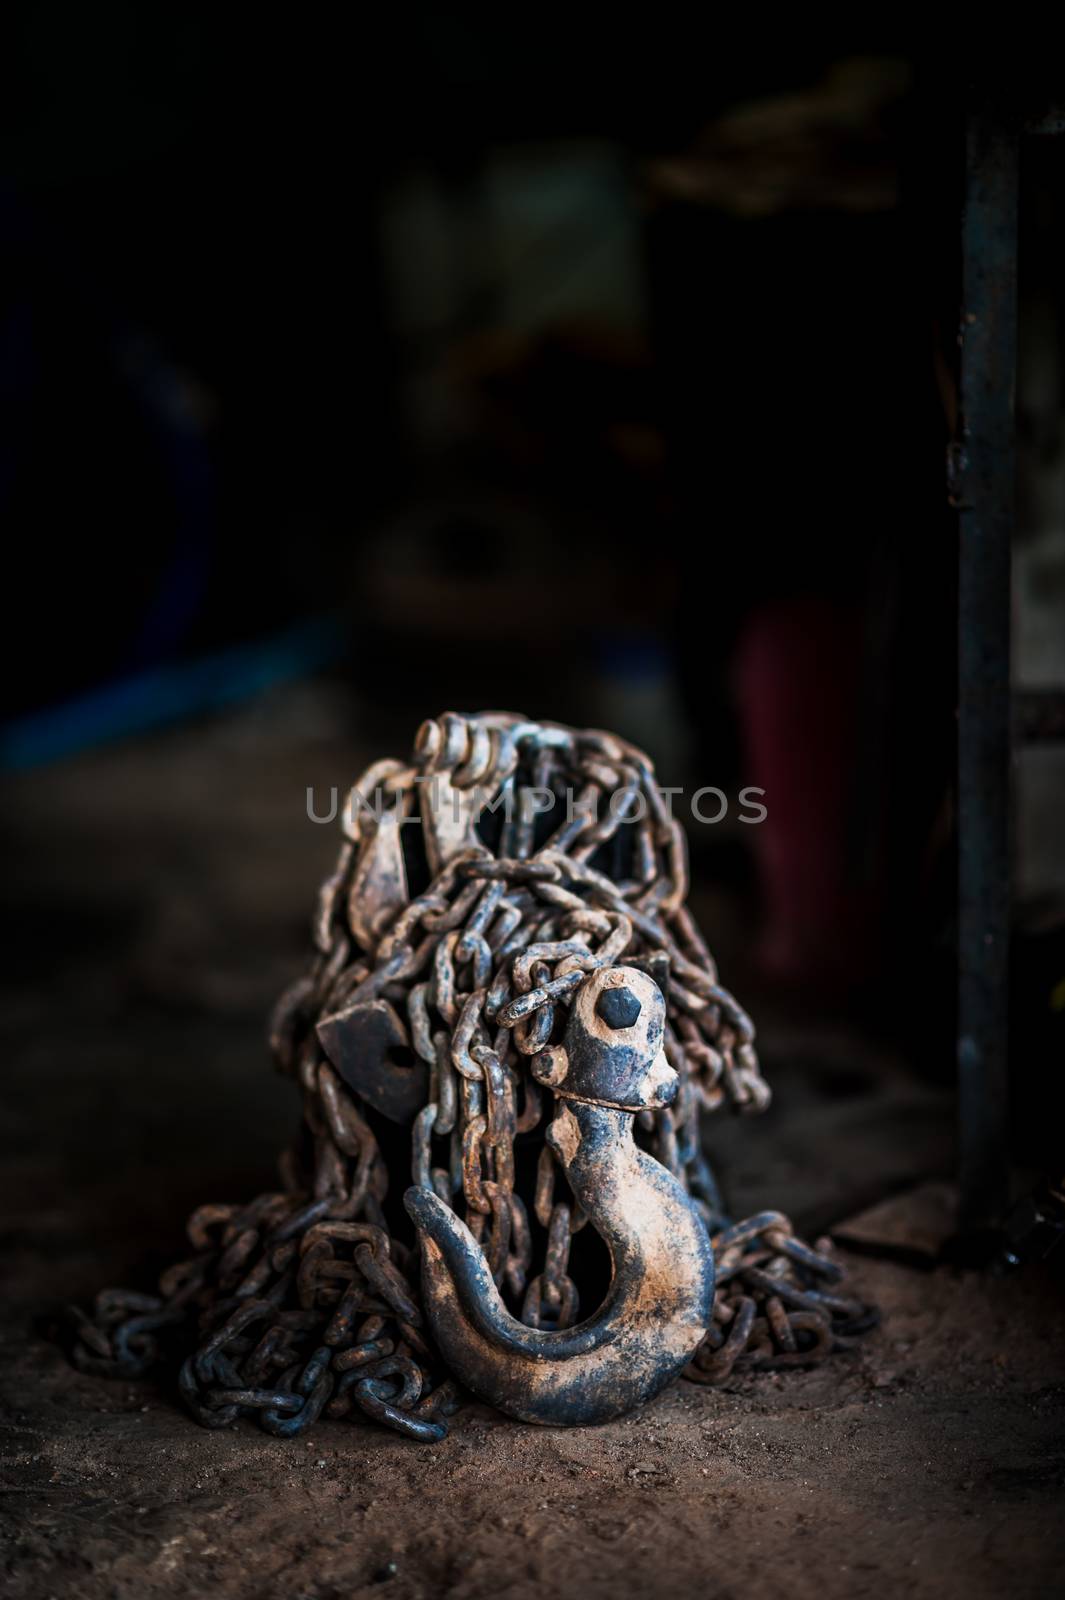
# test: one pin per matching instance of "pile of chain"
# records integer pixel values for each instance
(302, 1303)
(772, 1308)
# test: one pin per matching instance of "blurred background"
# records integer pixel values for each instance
(604, 373)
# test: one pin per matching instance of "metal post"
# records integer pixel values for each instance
(986, 498)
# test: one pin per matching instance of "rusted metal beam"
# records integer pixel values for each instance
(985, 495)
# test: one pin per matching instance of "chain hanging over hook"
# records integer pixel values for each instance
(427, 1005)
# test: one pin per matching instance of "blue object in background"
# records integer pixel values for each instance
(170, 693)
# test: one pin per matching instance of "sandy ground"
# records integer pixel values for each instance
(157, 900)
(931, 1463)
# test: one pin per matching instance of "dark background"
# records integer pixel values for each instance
(599, 365)
(446, 360)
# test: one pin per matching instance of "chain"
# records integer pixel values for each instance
(303, 1302)
(773, 1307)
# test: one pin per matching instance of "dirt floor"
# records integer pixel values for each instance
(157, 901)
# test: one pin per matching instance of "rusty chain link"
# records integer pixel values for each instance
(303, 1302)
(773, 1305)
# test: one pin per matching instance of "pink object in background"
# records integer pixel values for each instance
(798, 671)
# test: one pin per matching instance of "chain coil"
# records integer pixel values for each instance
(302, 1303)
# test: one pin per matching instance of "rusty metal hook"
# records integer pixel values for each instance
(609, 1066)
